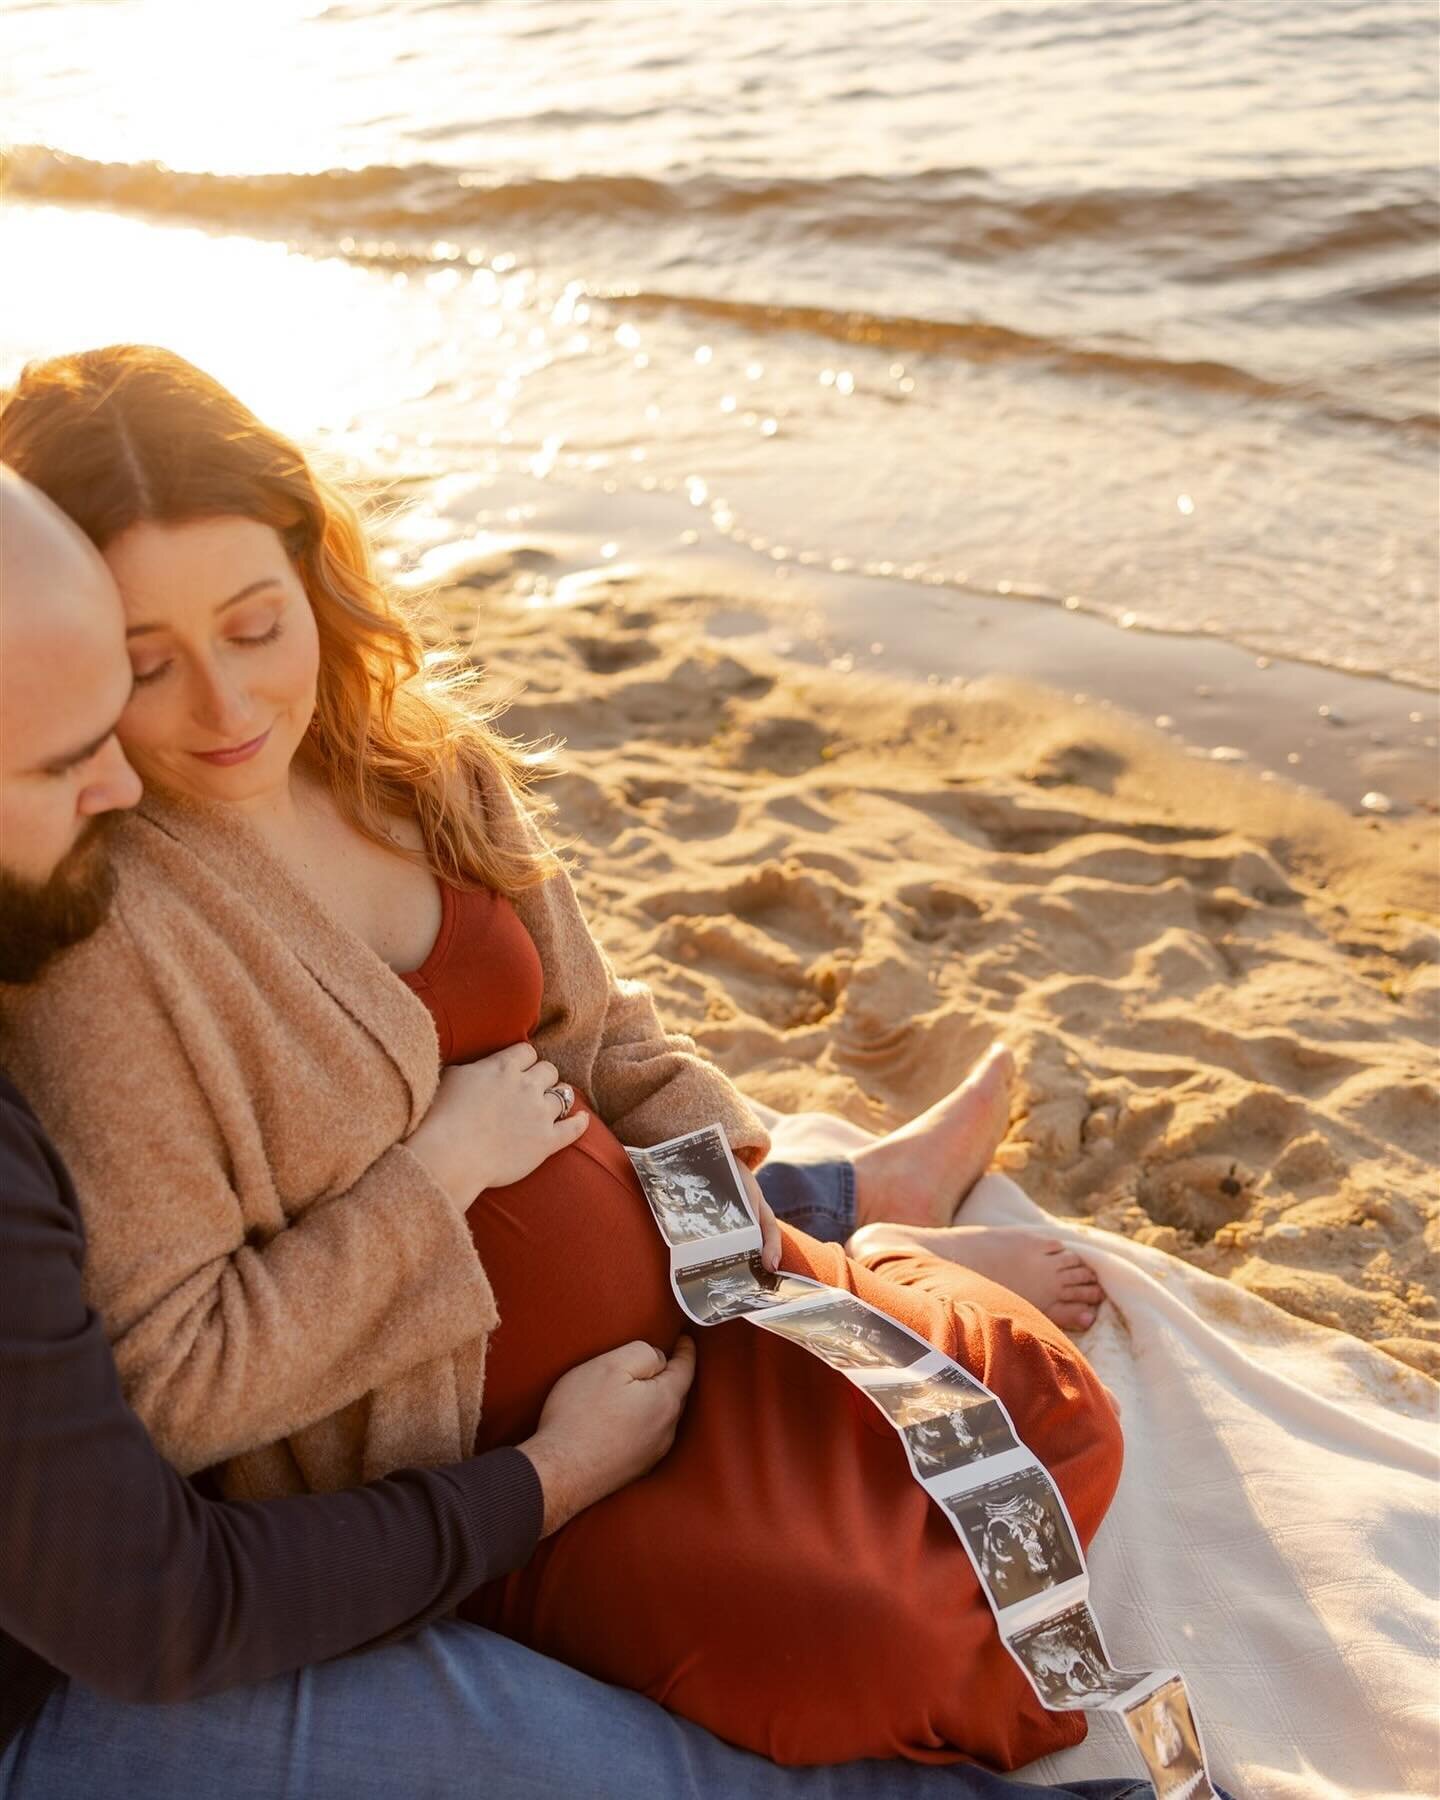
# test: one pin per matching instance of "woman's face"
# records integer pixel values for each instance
(224, 653)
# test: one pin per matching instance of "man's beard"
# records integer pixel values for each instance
(39, 919)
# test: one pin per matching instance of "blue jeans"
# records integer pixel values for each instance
(818, 1198)
(455, 1711)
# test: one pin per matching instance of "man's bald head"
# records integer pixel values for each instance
(52, 578)
(64, 681)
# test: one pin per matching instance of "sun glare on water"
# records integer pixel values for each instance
(310, 344)
(227, 89)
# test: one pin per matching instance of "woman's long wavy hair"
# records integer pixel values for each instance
(132, 433)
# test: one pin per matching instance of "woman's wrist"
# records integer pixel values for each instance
(450, 1166)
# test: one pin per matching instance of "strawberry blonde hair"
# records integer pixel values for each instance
(131, 433)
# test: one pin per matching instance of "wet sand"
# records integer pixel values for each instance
(1346, 734)
(1221, 991)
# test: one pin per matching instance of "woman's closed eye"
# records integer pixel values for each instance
(143, 675)
(264, 637)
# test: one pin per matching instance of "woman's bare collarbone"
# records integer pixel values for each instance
(388, 899)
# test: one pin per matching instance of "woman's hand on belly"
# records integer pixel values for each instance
(492, 1123)
(607, 1422)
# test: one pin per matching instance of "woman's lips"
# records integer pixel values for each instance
(238, 754)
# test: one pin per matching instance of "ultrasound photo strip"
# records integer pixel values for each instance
(1007, 1513)
(703, 1213)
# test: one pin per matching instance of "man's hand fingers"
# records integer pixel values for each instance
(680, 1370)
(639, 1360)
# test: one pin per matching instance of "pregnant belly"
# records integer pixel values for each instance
(578, 1268)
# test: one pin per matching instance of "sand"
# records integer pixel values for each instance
(1221, 992)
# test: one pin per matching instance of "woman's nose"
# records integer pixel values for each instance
(223, 708)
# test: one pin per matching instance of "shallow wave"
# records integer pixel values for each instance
(410, 217)
(981, 341)
(1231, 227)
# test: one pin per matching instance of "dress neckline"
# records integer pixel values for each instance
(437, 952)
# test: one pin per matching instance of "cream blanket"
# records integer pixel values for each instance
(1275, 1531)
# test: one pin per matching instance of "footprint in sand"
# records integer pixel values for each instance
(792, 904)
(606, 656)
(1198, 1194)
(939, 911)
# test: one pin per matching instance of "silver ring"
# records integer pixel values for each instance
(565, 1094)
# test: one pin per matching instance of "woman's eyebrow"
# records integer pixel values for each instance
(253, 587)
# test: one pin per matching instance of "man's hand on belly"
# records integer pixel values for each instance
(607, 1422)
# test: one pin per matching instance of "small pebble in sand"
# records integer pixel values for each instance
(1226, 753)
(1100, 1124)
(1377, 802)
(1262, 662)
(1329, 712)
(1164, 721)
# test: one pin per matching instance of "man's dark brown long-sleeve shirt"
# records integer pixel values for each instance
(115, 1571)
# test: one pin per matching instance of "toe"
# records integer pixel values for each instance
(1072, 1317)
(1087, 1290)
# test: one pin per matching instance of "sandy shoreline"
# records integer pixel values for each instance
(1221, 993)
(1333, 731)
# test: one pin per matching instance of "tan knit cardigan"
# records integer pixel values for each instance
(230, 1075)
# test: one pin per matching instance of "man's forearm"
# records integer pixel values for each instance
(117, 1571)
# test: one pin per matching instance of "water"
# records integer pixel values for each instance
(1127, 305)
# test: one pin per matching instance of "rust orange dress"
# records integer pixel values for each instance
(780, 1577)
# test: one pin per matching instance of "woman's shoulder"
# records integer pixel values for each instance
(98, 983)
(88, 981)
(91, 1014)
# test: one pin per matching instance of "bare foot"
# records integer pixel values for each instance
(1038, 1268)
(919, 1174)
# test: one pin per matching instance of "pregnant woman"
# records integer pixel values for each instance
(335, 870)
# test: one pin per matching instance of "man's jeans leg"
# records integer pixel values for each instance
(818, 1198)
(454, 1713)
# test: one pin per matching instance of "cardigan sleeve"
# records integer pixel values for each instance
(649, 1084)
(227, 1339)
(604, 1033)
